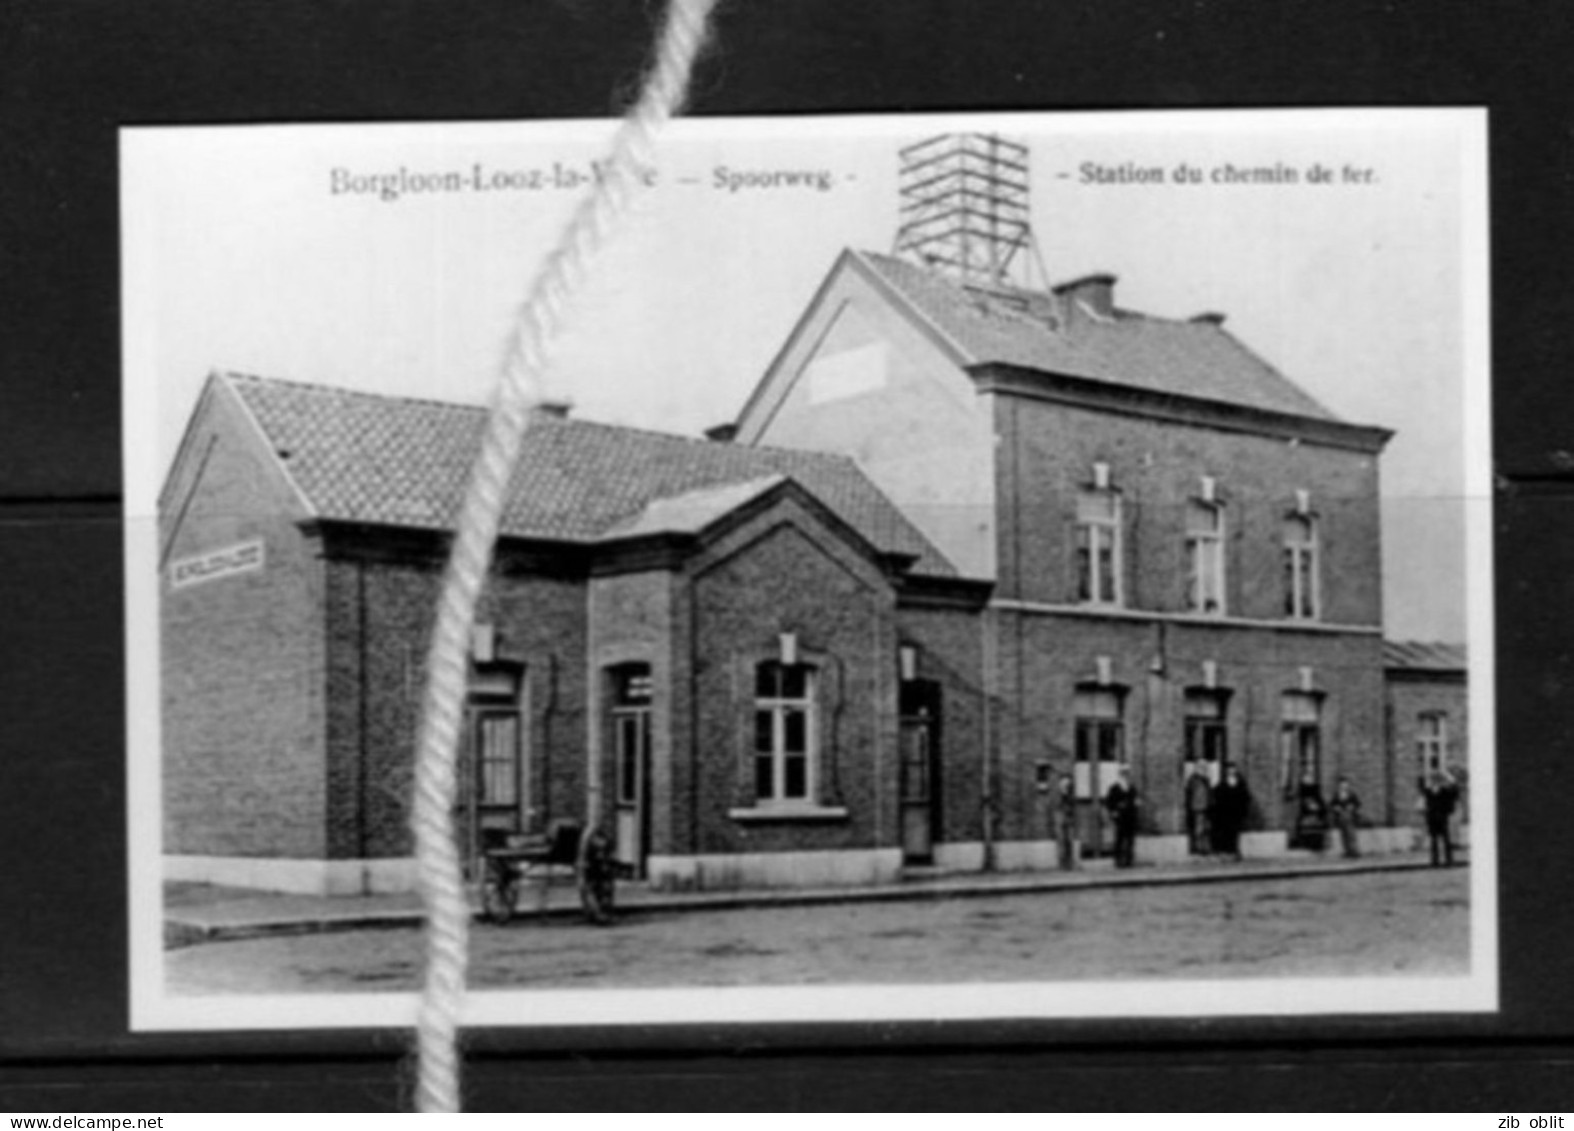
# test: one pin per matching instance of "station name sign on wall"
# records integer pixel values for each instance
(240, 558)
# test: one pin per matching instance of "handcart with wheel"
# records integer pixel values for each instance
(566, 850)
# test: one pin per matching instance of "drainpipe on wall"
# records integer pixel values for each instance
(1158, 677)
(1390, 763)
(593, 753)
(363, 754)
(987, 796)
(548, 712)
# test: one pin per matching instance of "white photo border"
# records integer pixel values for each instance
(154, 1009)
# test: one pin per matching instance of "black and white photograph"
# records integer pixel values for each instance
(987, 566)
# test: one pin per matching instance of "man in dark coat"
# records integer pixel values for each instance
(1439, 795)
(1232, 801)
(1121, 801)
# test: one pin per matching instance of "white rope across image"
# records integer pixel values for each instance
(539, 320)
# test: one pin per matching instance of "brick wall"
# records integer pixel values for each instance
(1046, 458)
(381, 602)
(633, 619)
(1043, 658)
(1047, 455)
(949, 646)
(540, 614)
(782, 574)
(242, 655)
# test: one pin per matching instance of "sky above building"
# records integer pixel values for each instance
(1346, 249)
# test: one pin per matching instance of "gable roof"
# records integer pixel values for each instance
(692, 511)
(1041, 330)
(362, 457)
(1424, 655)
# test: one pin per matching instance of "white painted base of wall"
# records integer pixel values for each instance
(1380, 842)
(721, 872)
(1265, 845)
(297, 877)
(730, 872)
(1042, 855)
(1026, 855)
(963, 856)
(1173, 849)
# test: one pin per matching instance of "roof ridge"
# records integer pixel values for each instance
(1010, 289)
(345, 391)
(557, 422)
(708, 444)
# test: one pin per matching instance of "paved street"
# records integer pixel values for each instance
(1413, 922)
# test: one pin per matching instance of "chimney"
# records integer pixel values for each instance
(1095, 292)
(722, 433)
(1209, 318)
(551, 409)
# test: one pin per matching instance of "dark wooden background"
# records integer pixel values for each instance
(73, 71)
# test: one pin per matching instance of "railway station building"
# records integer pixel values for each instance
(967, 535)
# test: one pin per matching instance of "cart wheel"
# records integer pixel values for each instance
(597, 878)
(500, 893)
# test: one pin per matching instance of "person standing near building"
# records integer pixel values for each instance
(1232, 801)
(1439, 795)
(1066, 822)
(1199, 805)
(1121, 802)
(1345, 809)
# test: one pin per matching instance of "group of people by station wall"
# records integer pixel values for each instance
(1217, 814)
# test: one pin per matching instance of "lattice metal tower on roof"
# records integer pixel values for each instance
(965, 210)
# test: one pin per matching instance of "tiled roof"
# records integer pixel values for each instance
(1424, 654)
(362, 457)
(1033, 330)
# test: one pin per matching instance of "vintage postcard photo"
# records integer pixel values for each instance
(959, 567)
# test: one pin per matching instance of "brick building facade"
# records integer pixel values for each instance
(1184, 546)
(744, 662)
(960, 540)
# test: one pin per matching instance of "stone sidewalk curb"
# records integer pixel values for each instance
(194, 925)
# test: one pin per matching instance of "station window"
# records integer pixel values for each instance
(1432, 742)
(497, 747)
(785, 739)
(1300, 739)
(1205, 557)
(1301, 581)
(1099, 547)
(631, 710)
(1100, 741)
(1207, 735)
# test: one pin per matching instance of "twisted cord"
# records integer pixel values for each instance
(535, 326)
